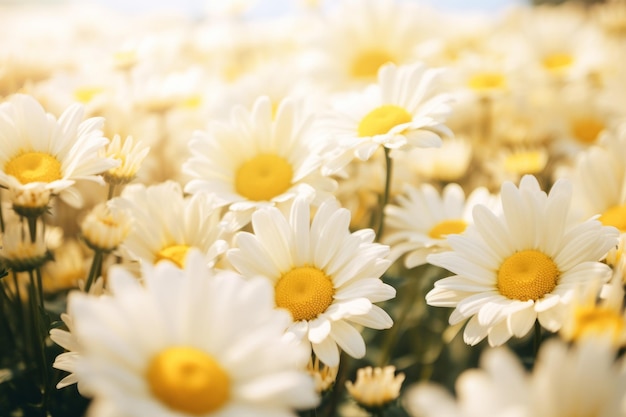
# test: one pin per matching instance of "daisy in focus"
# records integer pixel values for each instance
(404, 110)
(520, 266)
(214, 345)
(325, 276)
(40, 155)
(258, 159)
(166, 224)
(423, 218)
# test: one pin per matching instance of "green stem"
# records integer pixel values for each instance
(1, 215)
(32, 228)
(385, 200)
(537, 339)
(40, 335)
(94, 271)
(392, 334)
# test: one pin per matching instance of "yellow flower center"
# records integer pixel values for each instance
(527, 275)
(557, 62)
(367, 63)
(382, 119)
(487, 81)
(615, 216)
(34, 167)
(447, 227)
(188, 380)
(86, 94)
(305, 291)
(586, 129)
(596, 321)
(192, 101)
(174, 253)
(528, 162)
(264, 177)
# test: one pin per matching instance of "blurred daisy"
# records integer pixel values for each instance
(499, 388)
(520, 266)
(40, 153)
(327, 277)
(213, 346)
(361, 36)
(581, 380)
(257, 160)
(404, 110)
(105, 227)
(596, 314)
(423, 218)
(166, 224)
(600, 180)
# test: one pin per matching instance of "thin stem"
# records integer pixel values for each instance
(537, 339)
(94, 271)
(385, 200)
(1, 215)
(40, 341)
(111, 191)
(38, 285)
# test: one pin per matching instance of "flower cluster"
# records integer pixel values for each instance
(332, 213)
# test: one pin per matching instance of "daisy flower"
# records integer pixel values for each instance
(404, 110)
(581, 380)
(213, 347)
(257, 159)
(327, 277)
(40, 153)
(520, 266)
(168, 231)
(424, 218)
(360, 36)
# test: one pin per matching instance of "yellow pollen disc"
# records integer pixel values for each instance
(367, 63)
(192, 102)
(447, 227)
(382, 119)
(587, 129)
(527, 275)
(263, 177)
(595, 321)
(305, 291)
(487, 81)
(530, 162)
(34, 167)
(557, 62)
(174, 253)
(615, 216)
(86, 94)
(188, 380)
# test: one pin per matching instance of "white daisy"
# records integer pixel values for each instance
(189, 343)
(257, 159)
(166, 224)
(404, 110)
(520, 266)
(39, 152)
(360, 36)
(327, 277)
(499, 388)
(423, 219)
(581, 380)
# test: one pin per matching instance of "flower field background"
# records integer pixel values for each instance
(363, 207)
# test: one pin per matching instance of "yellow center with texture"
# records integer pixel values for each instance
(263, 177)
(527, 275)
(173, 253)
(367, 63)
(382, 119)
(305, 291)
(34, 167)
(447, 227)
(188, 380)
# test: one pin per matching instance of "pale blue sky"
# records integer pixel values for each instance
(273, 7)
